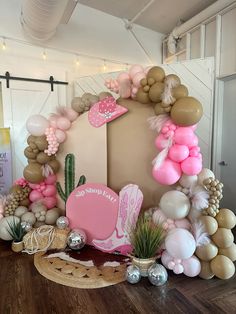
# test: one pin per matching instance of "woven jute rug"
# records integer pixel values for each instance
(77, 275)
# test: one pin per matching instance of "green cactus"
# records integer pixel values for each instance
(69, 178)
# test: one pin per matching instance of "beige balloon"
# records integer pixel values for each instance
(206, 252)
(230, 252)
(179, 92)
(142, 97)
(157, 73)
(206, 272)
(158, 109)
(210, 224)
(222, 267)
(223, 238)
(226, 218)
(156, 91)
(205, 174)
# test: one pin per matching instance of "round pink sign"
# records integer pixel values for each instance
(93, 207)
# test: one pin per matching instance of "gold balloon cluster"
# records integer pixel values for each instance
(37, 159)
(19, 196)
(214, 188)
(218, 256)
(169, 96)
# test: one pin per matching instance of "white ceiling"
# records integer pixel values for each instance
(162, 16)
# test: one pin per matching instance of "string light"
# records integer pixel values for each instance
(104, 66)
(4, 46)
(77, 63)
(44, 55)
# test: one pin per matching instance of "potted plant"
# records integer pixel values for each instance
(17, 232)
(146, 238)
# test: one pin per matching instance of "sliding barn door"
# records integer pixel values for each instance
(20, 101)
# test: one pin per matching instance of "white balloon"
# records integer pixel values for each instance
(205, 174)
(187, 181)
(175, 204)
(180, 243)
(37, 124)
(4, 227)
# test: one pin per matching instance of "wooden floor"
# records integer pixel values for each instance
(24, 290)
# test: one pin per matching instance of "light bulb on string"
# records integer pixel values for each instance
(4, 46)
(44, 55)
(104, 66)
(77, 63)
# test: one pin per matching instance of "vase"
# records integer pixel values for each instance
(143, 264)
(17, 246)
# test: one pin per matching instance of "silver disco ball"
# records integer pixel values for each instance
(133, 274)
(62, 222)
(26, 226)
(157, 275)
(76, 239)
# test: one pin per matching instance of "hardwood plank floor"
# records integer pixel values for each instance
(24, 290)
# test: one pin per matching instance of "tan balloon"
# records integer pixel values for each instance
(30, 139)
(42, 158)
(210, 224)
(41, 142)
(223, 238)
(206, 252)
(222, 267)
(33, 173)
(157, 73)
(173, 80)
(29, 153)
(206, 272)
(180, 92)
(156, 91)
(230, 252)
(186, 111)
(205, 174)
(103, 95)
(226, 218)
(142, 97)
(158, 109)
(54, 164)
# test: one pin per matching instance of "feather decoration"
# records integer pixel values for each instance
(199, 233)
(199, 197)
(157, 162)
(46, 170)
(156, 123)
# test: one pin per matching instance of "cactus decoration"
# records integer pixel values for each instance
(69, 178)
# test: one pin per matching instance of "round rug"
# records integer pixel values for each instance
(76, 275)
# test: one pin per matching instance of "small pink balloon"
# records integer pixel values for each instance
(125, 89)
(71, 114)
(137, 78)
(168, 173)
(33, 186)
(35, 196)
(161, 142)
(63, 123)
(53, 120)
(178, 269)
(166, 258)
(183, 223)
(60, 135)
(178, 153)
(49, 202)
(192, 266)
(185, 136)
(50, 190)
(52, 178)
(123, 76)
(135, 69)
(191, 166)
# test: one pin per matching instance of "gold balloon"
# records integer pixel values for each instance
(206, 272)
(54, 164)
(156, 73)
(210, 224)
(142, 97)
(103, 95)
(158, 109)
(15, 189)
(186, 111)
(30, 139)
(155, 91)
(226, 218)
(222, 267)
(180, 92)
(29, 153)
(41, 142)
(43, 158)
(223, 238)
(33, 173)
(206, 252)
(25, 202)
(230, 252)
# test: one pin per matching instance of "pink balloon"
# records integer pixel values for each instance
(60, 135)
(193, 127)
(37, 124)
(35, 196)
(192, 266)
(178, 152)
(161, 142)
(50, 190)
(137, 78)
(52, 178)
(183, 223)
(191, 166)
(135, 69)
(63, 123)
(178, 269)
(49, 202)
(185, 136)
(125, 89)
(33, 185)
(122, 77)
(180, 243)
(168, 173)
(71, 114)
(53, 120)
(166, 258)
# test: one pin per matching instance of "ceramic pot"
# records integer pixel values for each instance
(143, 264)
(17, 246)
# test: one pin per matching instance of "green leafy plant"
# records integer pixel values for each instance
(16, 230)
(69, 172)
(146, 237)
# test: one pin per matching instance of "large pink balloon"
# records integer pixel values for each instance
(135, 69)
(192, 266)
(35, 196)
(137, 78)
(161, 142)
(123, 76)
(49, 201)
(191, 166)
(168, 173)
(37, 124)
(63, 123)
(178, 153)
(183, 223)
(71, 114)
(50, 190)
(185, 136)
(180, 243)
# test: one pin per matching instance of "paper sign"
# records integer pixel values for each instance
(5, 161)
